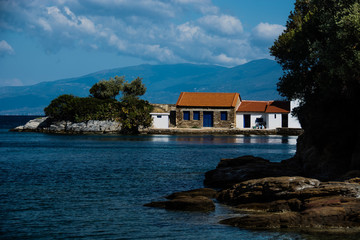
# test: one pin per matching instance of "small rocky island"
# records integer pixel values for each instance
(47, 125)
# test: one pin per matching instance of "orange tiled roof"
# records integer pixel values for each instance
(264, 106)
(198, 99)
(252, 106)
(278, 107)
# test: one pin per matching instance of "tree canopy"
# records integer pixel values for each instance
(107, 89)
(319, 52)
(134, 89)
(131, 111)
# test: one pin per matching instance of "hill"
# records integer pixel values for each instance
(255, 80)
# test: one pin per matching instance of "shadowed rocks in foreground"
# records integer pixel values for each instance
(294, 202)
(232, 171)
(194, 200)
(275, 202)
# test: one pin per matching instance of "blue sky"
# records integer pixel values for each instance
(46, 40)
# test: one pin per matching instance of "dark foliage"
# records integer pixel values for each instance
(76, 109)
(131, 111)
(320, 55)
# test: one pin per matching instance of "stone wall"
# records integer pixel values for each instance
(163, 108)
(217, 122)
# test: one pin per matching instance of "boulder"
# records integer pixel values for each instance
(285, 188)
(193, 200)
(205, 192)
(32, 125)
(232, 171)
(294, 202)
(46, 124)
(186, 203)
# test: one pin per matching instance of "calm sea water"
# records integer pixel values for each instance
(94, 186)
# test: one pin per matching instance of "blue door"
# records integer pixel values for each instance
(208, 119)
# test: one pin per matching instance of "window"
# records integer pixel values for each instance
(196, 115)
(224, 116)
(259, 120)
(274, 115)
(186, 115)
(158, 116)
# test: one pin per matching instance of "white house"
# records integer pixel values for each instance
(224, 110)
(265, 115)
(160, 120)
(293, 121)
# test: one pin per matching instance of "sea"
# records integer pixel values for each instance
(94, 186)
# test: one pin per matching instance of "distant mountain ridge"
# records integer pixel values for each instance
(255, 80)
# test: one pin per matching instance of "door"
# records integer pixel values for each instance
(246, 120)
(284, 120)
(208, 119)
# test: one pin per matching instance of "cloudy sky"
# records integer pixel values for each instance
(45, 40)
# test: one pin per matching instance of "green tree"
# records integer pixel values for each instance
(320, 55)
(62, 108)
(70, 108)
(135, 111)
(107, 89)
(134, 89)
(131, 111)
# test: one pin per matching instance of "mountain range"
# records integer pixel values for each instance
(255, 80)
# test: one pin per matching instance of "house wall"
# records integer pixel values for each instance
(253, 117)
(218, 123)
(239, 120)
(293, 121)
(160, 120)
(273, 120)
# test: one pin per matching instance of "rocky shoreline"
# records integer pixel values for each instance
(281, 201)
(46, 125)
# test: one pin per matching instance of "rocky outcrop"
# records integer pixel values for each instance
(294, 202)
(194, 200)
(232, 171)
(204, 192)
(45, 124)
(277, 202)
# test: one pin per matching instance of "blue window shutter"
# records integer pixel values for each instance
(224, 116)
(196, 115)
(186, 115)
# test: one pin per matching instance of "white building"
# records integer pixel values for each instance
(293, 121)
(241, 114)
(265, 115)
(160, 120)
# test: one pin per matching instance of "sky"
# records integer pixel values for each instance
(47, 40)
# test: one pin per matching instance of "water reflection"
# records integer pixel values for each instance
(193, 139)
(238, 139)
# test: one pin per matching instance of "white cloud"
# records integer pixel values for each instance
(5, 48)
(226, 60)
(188, 32)
(223, 24)
(203, 6)
(163, 31)
(268, 31)
(44, 24)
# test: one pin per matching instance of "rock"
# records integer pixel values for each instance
(335, 213)
(186, 203)
(193, 200)
(46, 124)
(32, 124)
(285, 188)
(294, 202)
(205, 192)
(232, 171)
